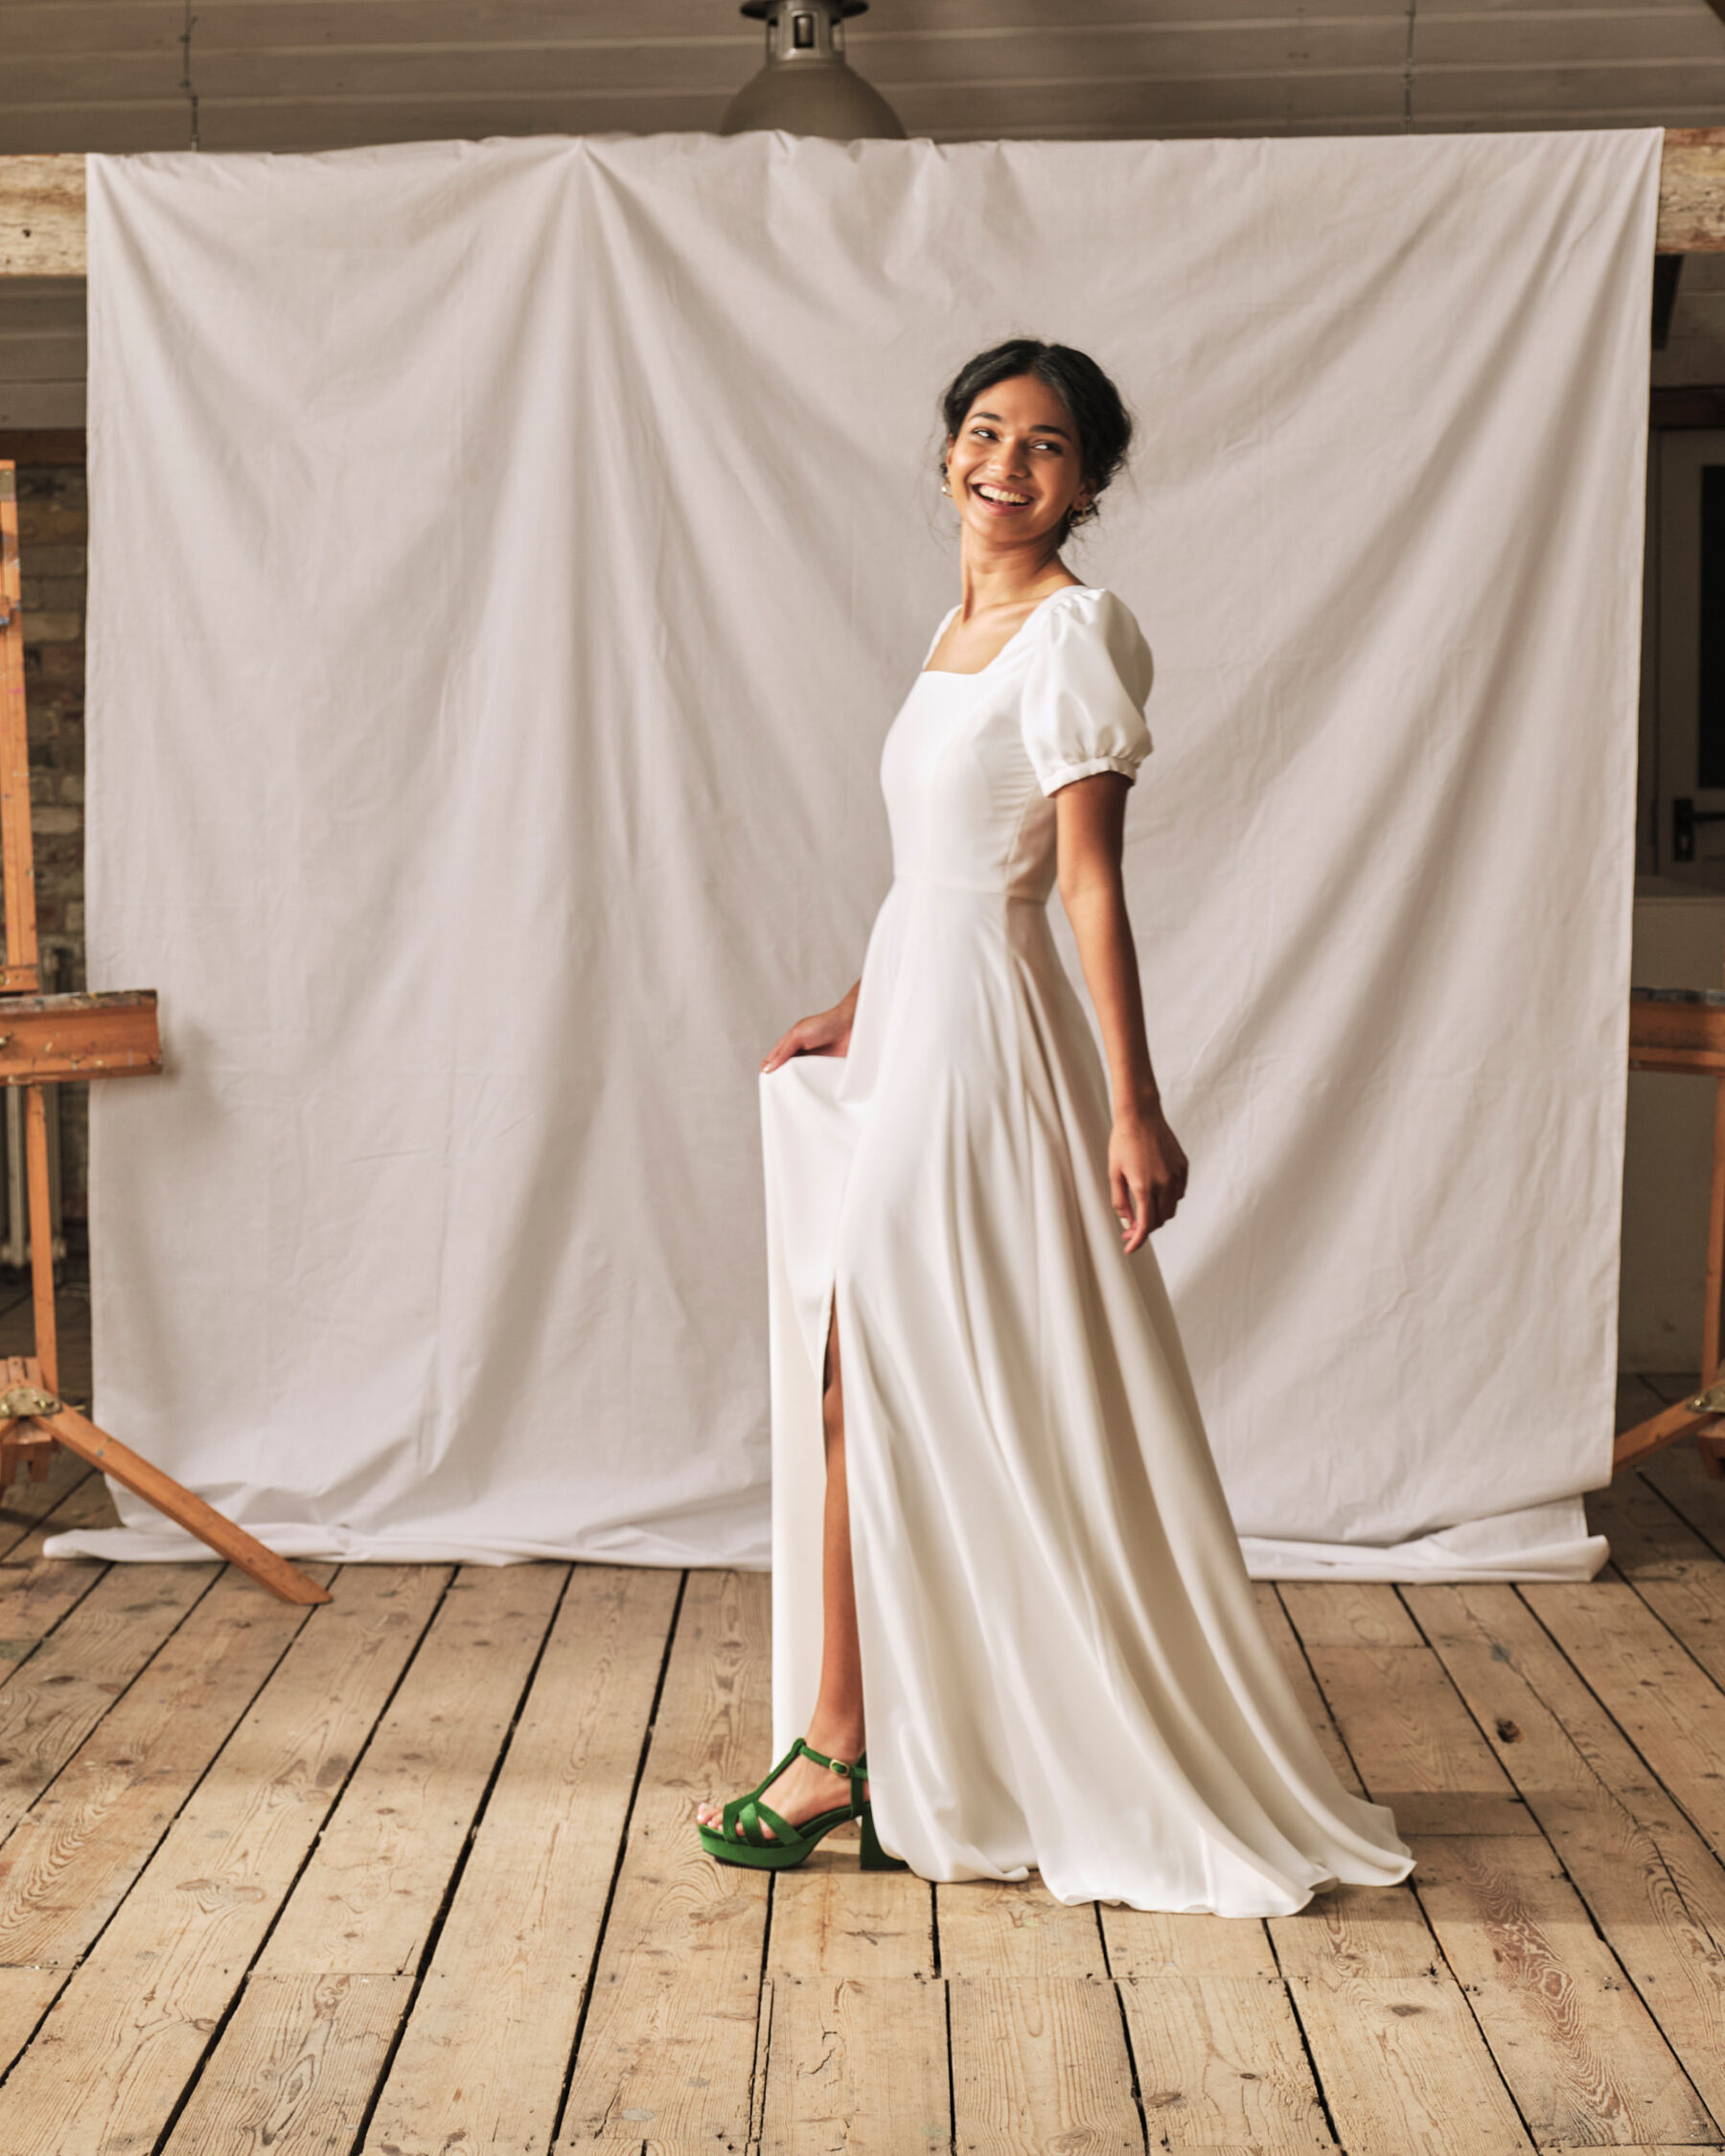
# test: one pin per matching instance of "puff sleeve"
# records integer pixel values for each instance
(1084, 690)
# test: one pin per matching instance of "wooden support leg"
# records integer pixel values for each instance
(21, 1442)
(1669, 1427)
(81, 1436)
(42, 1234)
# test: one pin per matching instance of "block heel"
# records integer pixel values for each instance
(874, 1857)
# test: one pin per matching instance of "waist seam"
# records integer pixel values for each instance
(970, 890)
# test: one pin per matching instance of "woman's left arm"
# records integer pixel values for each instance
(1146, 1167)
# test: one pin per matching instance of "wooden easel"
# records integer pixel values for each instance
(45, 1040)
(1682, 1029)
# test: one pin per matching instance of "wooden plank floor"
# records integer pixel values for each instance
(414, 1874)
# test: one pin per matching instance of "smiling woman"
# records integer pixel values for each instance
(1037, 1593)
(1026, 454)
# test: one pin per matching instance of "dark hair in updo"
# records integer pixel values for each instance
(1098, 412)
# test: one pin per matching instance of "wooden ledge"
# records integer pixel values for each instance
(42, 217)
(52, 1038)
(1691, 193)
(42, 205)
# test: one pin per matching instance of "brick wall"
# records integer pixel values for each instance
(52, 531)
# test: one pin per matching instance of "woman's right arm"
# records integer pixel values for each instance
(826, 1034)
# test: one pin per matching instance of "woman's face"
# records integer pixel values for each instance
(1013, 465)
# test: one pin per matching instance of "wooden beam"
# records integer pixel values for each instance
(41, 217)
(1691, 193)
(42, 205)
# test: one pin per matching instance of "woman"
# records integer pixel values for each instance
(1028, 1573)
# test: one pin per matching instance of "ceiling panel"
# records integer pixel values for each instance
(317, 73)
(896, 65)
(71, 28)
(1618, 93)
(159, 124)
(1514, 38)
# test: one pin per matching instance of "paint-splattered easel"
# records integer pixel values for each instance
(46, 1041)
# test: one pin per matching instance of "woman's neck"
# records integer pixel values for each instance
(1006, 577)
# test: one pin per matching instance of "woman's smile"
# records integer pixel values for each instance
(1002, 500)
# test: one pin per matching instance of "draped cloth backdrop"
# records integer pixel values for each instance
(506, 560)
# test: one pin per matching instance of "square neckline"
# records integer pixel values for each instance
(972, 674)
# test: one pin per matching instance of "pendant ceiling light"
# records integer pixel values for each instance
(807, 88)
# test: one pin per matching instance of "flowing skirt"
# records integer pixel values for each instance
(1063, 1665)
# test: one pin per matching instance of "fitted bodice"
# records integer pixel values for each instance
(962, 798)
(972, 761)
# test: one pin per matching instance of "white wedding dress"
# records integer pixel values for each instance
(1062, 1666)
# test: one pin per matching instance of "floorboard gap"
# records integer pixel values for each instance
(611, 1892)
(434, 1930)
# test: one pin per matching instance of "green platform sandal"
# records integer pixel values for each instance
(744, 1817)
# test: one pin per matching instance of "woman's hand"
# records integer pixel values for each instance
(1147, 1173)
(826, 1034)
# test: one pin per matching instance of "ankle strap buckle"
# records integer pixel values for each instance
(840, 1767)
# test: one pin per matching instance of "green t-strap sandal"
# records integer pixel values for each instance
(739, 1838)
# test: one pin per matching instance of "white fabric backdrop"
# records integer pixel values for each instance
(506, 560)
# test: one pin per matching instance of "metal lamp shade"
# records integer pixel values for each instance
(807, 88)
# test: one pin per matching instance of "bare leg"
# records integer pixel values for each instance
(835, 1726)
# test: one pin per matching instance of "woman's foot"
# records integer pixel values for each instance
(799, 1794)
